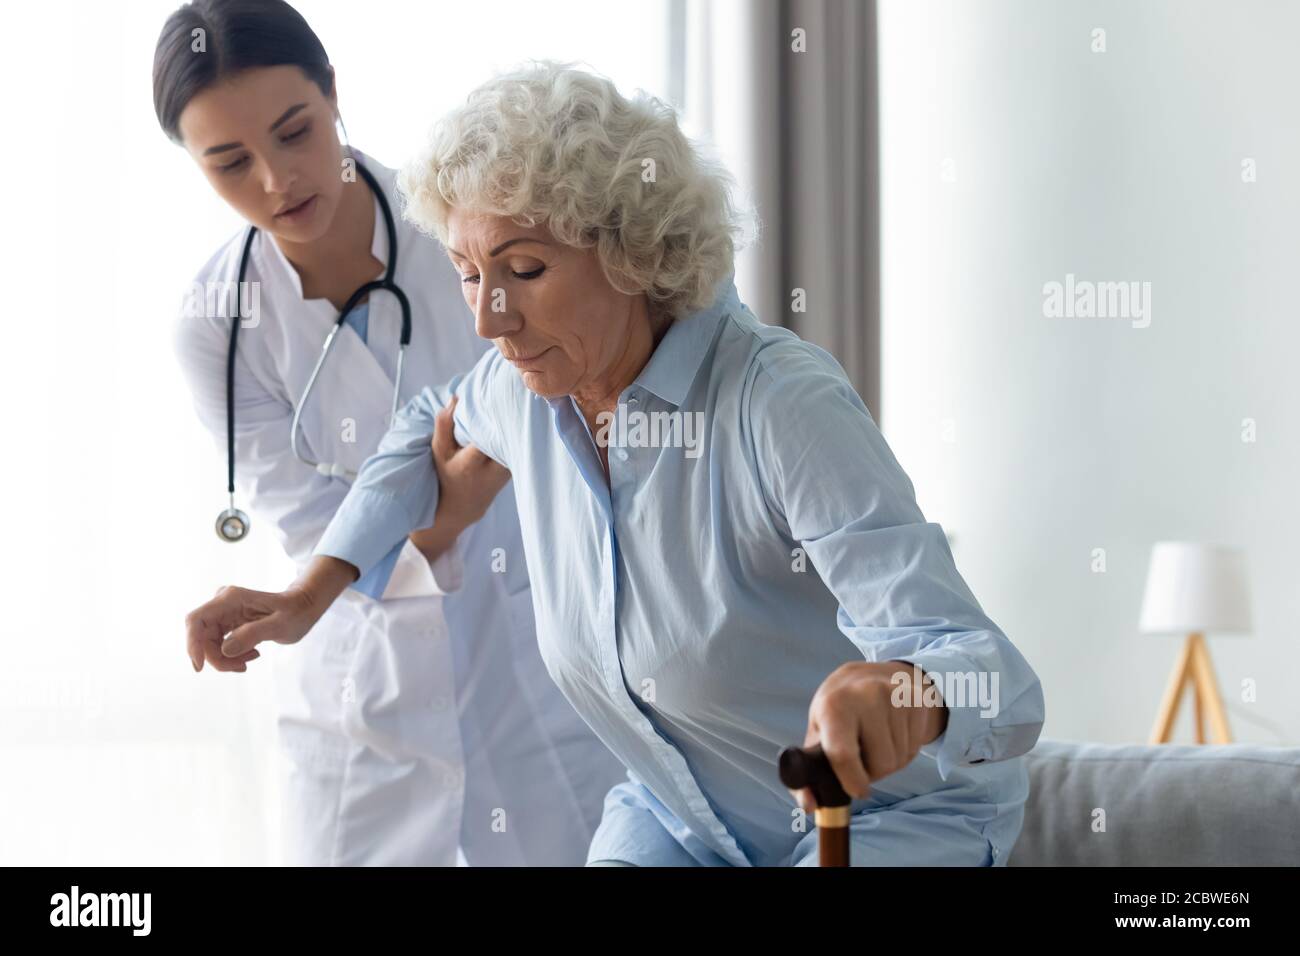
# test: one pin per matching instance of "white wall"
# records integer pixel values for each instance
(1035, 440)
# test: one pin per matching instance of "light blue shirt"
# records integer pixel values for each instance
(359, 319)
(690, 608)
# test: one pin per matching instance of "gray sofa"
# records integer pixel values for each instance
(1165, 805)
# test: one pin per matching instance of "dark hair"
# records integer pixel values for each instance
(237, 35)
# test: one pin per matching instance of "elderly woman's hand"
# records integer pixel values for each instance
(866, 718)
(225, 631)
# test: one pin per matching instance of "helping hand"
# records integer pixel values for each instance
(468, 480)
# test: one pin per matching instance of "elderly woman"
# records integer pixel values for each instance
(726, 557)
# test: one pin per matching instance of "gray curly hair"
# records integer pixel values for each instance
(551, 144)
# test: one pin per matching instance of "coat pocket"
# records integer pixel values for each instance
(400, 697)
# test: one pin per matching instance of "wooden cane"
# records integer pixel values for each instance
(809, 767)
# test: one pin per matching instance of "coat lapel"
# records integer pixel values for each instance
(348, 410)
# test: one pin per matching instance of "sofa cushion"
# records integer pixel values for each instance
(1165, 805)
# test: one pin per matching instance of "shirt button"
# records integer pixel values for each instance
(621, 454)
(440, 702)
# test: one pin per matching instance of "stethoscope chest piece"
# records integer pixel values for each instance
(232, 525)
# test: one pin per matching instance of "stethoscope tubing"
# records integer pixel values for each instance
(233, 524)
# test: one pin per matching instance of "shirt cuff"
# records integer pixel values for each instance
(369, 527)
(966, 739)
(375, 581)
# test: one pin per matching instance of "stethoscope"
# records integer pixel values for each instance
(233, 524)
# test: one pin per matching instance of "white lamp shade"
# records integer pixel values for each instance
(1195, 588)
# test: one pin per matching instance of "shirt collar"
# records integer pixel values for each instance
(674, 365)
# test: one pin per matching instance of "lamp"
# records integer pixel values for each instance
(1194, 588)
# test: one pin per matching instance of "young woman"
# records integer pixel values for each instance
(417, 719)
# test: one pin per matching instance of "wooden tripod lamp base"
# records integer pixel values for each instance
(1193, 668)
